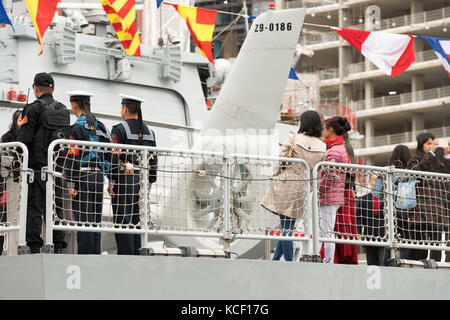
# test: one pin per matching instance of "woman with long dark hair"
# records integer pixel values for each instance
(425, 145)
(400, 159)
(8, 188)
(346, 215)
(11, 134)
(443, 156)
(430, 213)
(287, 193)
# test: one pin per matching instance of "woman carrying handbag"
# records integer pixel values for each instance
(287, 193)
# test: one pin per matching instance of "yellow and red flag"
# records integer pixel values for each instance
(42, 13)
(122, 15)
(201, 23)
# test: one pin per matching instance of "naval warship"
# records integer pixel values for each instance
(171, 82)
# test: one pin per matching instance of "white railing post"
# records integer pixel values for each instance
(315, 215)
(26, 177)
(227, 232)
(47, 173)
(389, 194)
(145, 202)
(309, 216)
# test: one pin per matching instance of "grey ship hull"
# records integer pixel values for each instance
(96, 277)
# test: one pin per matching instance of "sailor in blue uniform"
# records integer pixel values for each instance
(85, 171)
(125, 180)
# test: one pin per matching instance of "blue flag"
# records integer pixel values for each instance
(293, 75)
(158, 2)
(3, 16)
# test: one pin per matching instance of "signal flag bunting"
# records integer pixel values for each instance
(392, 53)
(122, 15)
(201, 23)
(42, 13)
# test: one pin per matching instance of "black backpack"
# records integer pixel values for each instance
(55, 121)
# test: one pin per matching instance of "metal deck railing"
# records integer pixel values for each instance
(219, 196)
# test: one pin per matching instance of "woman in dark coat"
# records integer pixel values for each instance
(400, 159)
(430, 215)
(9, 136)
(443, 156)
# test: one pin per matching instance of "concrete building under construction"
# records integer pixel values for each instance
(339, 80)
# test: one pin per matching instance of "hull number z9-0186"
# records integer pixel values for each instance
(260, 27)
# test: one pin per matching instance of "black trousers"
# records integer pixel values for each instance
(422, 232)
(403, 227)
(36, 215)
(435, 234)
(374, 255)
(418, 232)
(87, 207)
(126, 212)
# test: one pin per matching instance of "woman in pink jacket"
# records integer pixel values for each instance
(331, 183)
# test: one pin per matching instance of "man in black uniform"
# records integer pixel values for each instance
(125, 180)
(36, 138)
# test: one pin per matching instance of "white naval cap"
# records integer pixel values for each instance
(130, 99)
(79, 95)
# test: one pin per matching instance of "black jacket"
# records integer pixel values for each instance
(350, 179)
(32, 134)
(432, 194)
(369, 222)
(441, 158)
(126, 132)
(440, 155)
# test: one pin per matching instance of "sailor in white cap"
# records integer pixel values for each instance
(125, 180)
(85, 171)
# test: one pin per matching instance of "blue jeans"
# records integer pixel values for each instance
(285, 247)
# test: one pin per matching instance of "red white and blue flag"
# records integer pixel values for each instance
(442, 49)
(392, 53)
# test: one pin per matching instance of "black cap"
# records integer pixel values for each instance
(43, 79)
